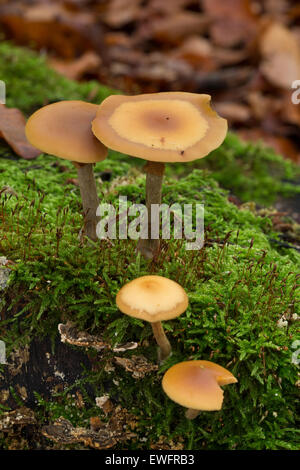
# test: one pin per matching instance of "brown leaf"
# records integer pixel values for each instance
(290, 112)
(89, 63)
(234, 112)
(117, 39)
(196, 51)
(122, 12)
(232, 21)
(263, 105)
(281, 56)
(12, 129)
(75, 32)
(168, 7)
(173, 29)
(229, 56)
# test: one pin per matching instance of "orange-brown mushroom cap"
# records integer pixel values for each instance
(152, 298)
(196, 384)
(64, 129)
(161, 127)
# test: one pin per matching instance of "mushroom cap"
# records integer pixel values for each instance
(64, 129)
(160, 127)
(196, 384)
(152, 298)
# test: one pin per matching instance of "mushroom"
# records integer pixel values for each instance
(63, 129)
(196, 385)
(154, 299)
(159, 127)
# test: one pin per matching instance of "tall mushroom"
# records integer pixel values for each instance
(63, 129)
(159, 127)
(154, 299)
(196, 385)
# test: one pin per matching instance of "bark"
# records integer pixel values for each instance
(36, 368)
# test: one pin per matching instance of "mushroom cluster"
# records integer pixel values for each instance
(159, 128)
(196, 384)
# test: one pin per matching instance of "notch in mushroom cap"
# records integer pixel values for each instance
(63, 129)
(154, 299)
(196, 385)
(159, 127)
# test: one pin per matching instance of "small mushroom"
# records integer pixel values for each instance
(63, 129)
(159, 127)
(154, 299)
(196, 385)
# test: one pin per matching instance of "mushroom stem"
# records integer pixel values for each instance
(89, 196)
(191, 413)
(149, 247)
(162, 340)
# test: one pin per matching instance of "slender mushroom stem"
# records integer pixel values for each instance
(162, 341)
(149, 247)
(89, 196)
(191, 413)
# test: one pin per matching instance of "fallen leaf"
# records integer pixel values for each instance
(229, 56)
(12, 129)
(88, 63)
(196, 51)
(234, 112)
(172, 29)
(232, 21)
(75, 32)
(117, 39)
(122, 12)
(281, 56)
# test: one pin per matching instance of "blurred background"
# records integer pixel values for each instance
(246, 53)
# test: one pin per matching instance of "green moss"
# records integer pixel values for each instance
(31, 83)
(252, 172)
(239, 284)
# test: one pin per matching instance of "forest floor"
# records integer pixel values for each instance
(92, 389)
